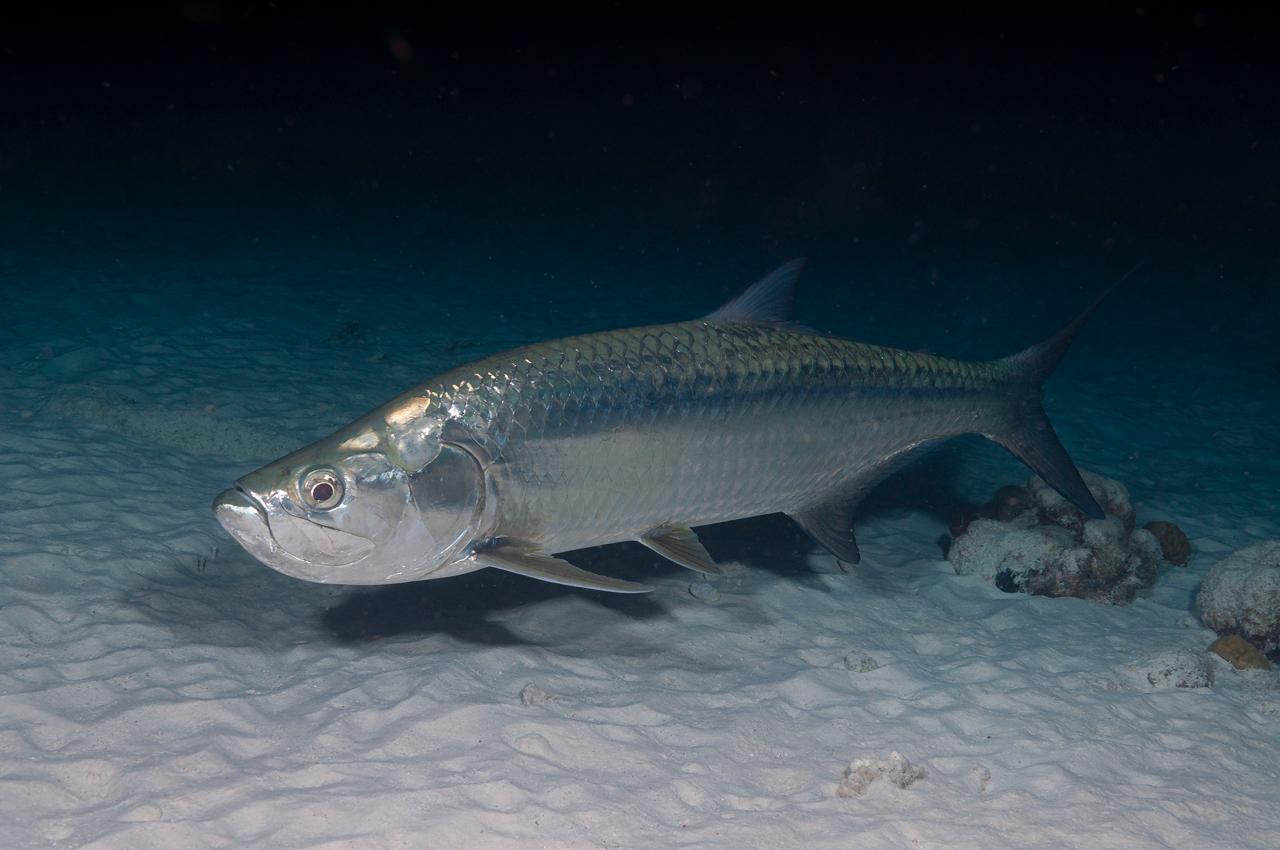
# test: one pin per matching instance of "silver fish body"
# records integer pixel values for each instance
(634, 434)
(605, 437)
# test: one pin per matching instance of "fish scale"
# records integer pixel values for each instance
(765, 419)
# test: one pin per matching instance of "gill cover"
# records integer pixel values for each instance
(449, 493)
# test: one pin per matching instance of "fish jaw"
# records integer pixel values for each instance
(245, 519)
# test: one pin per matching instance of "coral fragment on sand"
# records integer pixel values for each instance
(1054, 550)
(1174, 545)
(1240, 653)
(861, 773)
(1241, 595)
(860, 662)
(531, 694)
(1176, 668)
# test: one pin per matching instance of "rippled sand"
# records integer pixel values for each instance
(160, 689)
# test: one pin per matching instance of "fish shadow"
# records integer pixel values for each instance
(469, 607)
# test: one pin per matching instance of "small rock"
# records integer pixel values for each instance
(859, 775)
(979, 779)
(860, 662)
(1177, 669)
(705, 591)
(1241, 595)
(1242, 654)
(1174, 545)
(531, 694)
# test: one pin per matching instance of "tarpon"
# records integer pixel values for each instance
(637, 434)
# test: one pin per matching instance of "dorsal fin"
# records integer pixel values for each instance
(767, 301)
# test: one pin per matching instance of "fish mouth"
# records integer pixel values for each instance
(234, 506)
(246, 519)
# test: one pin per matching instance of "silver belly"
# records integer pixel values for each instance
(577, 484)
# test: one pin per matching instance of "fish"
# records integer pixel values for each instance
(639, 434)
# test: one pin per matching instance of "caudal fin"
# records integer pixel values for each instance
(1034, 443)
(1029, 436)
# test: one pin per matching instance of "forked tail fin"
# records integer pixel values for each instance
(1029, 436)
(1033, 442)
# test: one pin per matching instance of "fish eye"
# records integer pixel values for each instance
(321, 489)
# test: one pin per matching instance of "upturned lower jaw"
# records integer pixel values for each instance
(246, 521)
(233, 499)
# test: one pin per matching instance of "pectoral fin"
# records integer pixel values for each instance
(678, 543)
(831, 524)
(513, 558)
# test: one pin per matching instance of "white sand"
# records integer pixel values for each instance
(160, 689)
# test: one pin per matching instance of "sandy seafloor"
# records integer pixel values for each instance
(161, 689)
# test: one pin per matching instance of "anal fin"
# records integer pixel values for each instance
(524, 561)
(680, 544)
(831, 524)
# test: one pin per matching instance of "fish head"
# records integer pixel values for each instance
(343, 511)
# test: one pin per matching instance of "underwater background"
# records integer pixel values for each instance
(227, 229)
